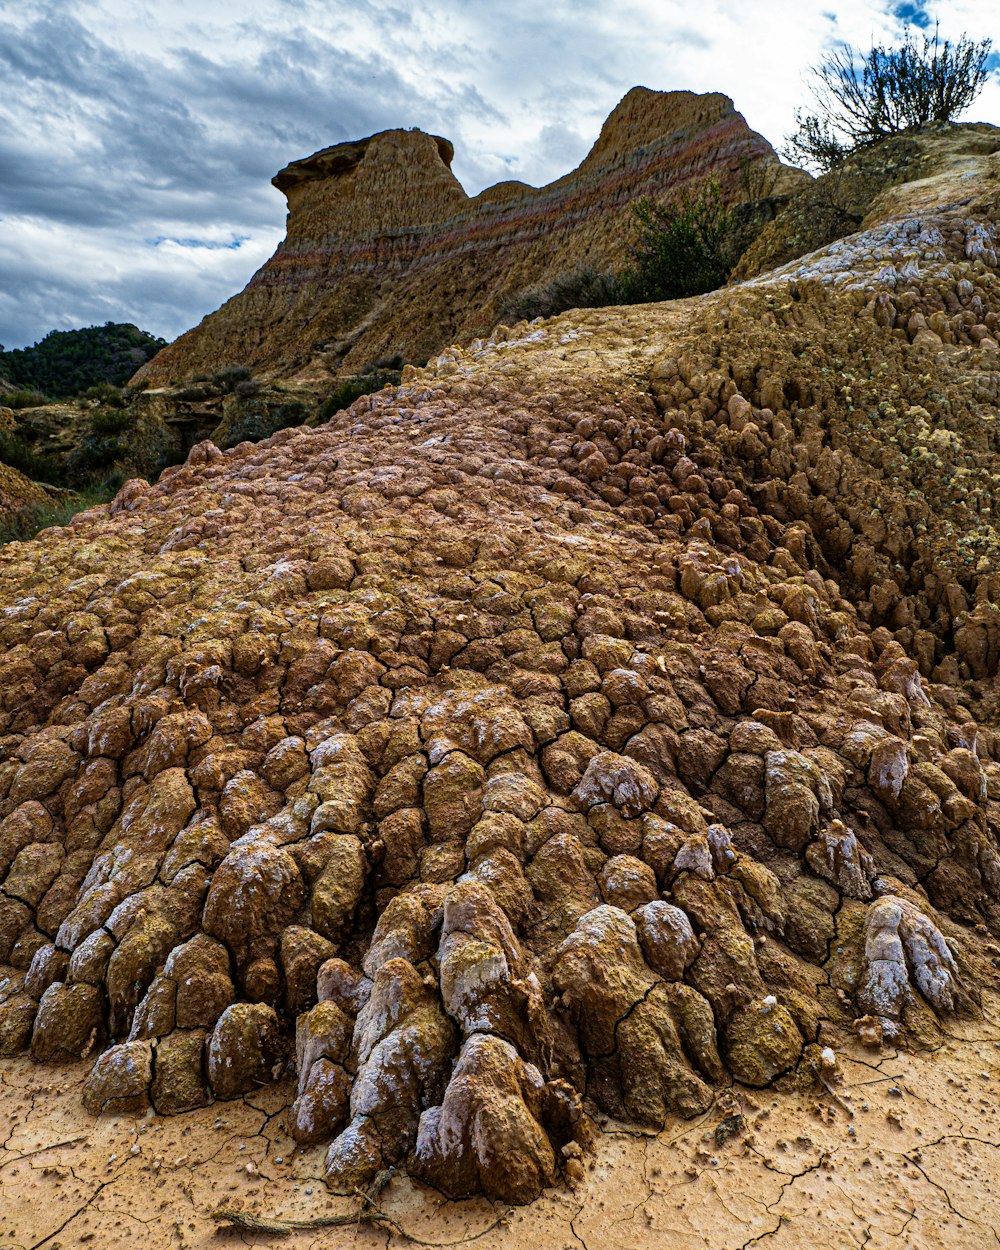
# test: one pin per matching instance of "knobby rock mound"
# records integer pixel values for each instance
(386, 255)
(604, 715)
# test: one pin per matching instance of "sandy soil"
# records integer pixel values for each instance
(907, 1155)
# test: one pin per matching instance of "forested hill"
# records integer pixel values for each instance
(67, 362)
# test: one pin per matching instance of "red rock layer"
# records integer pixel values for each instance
(386, 254)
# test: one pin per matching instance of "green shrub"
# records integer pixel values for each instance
(863, 97)
(684, 247)
(23, 399)
(225, 381)
(230, 376)
(256, 416)
(350, 389)
(105, 444)
(95, 454)
(67, 362)
(758, 177)
(815, 144)
(194, 394)
(20, 454)
(110, 421)
(106, 394)
(27, 523)
(585, 287)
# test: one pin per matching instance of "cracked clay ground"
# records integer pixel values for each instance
(905, 1155)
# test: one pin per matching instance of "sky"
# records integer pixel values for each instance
(138, 138)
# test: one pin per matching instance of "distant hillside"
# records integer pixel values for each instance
(67, 362)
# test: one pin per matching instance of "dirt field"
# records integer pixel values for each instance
(915, 1163)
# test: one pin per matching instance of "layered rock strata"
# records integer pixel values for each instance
(385, 253)
(602, 716)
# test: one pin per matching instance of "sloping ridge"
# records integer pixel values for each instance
(603, 716)
(385, 253)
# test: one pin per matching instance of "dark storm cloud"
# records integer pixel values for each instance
(182, 136)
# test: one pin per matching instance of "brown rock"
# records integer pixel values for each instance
(486, 1135)
(255, 890)
(179, 1080)
(626, 1023)
(243, 1049)
(339, 886)
(119, 1081)
(303, 951)
(69, 1023)
(401, 1020)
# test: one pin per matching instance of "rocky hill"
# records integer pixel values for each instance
(386, 255)
(67, 362)
(604, 717)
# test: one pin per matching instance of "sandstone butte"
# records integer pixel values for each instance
(385, 254)
(600, 722)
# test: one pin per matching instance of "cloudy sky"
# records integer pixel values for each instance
(138, 137)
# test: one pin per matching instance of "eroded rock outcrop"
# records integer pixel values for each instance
(602, 717)
(19, 495)
(386, 255)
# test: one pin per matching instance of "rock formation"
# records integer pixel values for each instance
(385, 253)
(18, 494)
(603, 715)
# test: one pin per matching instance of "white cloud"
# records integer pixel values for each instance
(128, 121)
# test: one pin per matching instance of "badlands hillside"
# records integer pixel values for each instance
(386, 255)
(596, 731)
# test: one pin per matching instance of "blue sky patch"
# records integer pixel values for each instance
(913, 14)
(212, 245)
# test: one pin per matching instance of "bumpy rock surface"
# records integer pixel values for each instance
(604, 715)
(19, 494)
(386, 254)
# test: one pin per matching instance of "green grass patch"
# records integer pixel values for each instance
(30, 521)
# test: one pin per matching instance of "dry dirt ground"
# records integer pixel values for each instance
(906, 1155)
